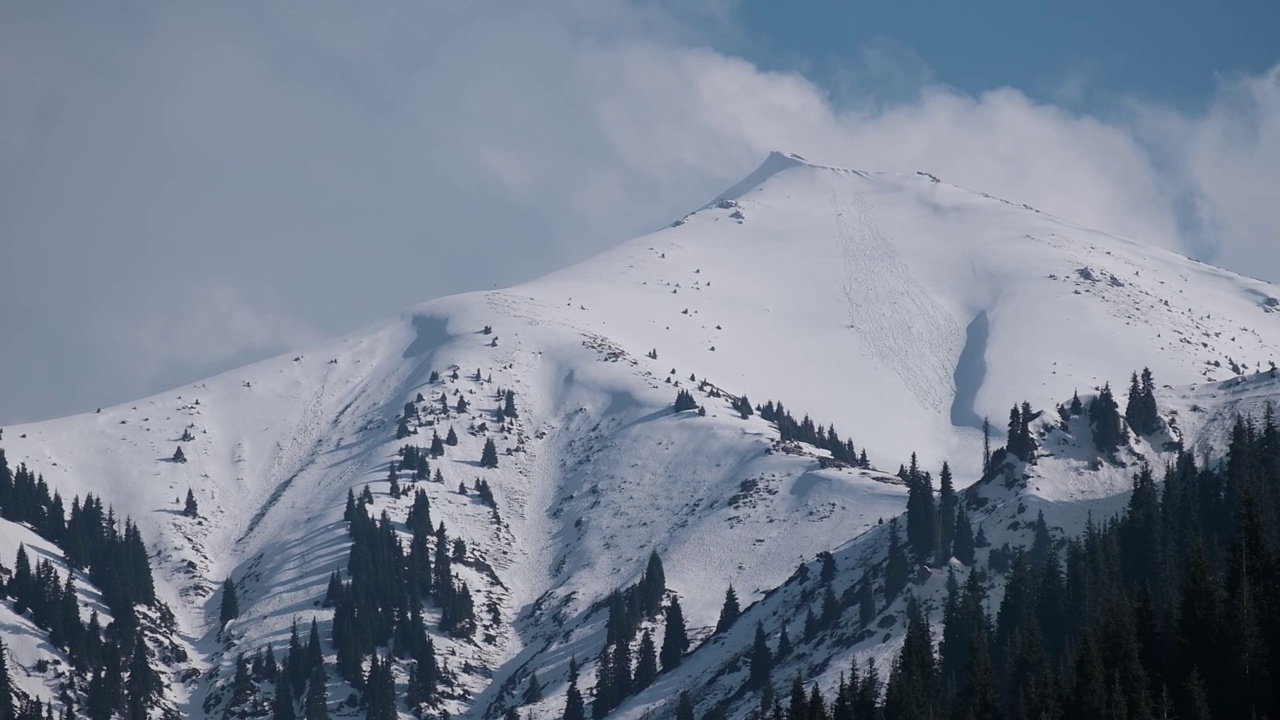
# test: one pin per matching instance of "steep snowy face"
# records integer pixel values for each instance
(905, 310)
(899, 309)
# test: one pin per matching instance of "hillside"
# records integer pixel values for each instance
(899, 309)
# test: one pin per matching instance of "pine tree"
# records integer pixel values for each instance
(684, 708)
(451, 438)
(897, 566)
(509, 407)
(6, 686)
(437, 445)
(191, 509)
(921, 514)
(675, 641)
(230, 608)
(866, 600)
(489, 456)
(179, 456)
(685, 401)
(964, 545)
(947, 502)
(532, 691)
(282, 704)
(912, 693)
(646, 662)
(1133, 408)
(729, 611)
(986, 446)
(761, 661)
(317, 705)
(143, 683)
(574, 707)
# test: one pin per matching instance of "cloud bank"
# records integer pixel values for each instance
(186, 187)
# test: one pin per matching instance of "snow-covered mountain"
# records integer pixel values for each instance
(897, 308)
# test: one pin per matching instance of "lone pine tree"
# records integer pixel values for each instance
(230, 608)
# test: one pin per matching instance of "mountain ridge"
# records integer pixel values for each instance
(855, 297)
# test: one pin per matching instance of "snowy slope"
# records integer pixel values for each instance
(898, 308)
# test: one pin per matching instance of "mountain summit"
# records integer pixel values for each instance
(894, 312)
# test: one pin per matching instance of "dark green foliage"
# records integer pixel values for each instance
(230, 607)
(191, 508)
(729, 611)
(509, 405)
(1020, 443)
(574, 707)
(451, 438)
(1104, 415)
(684, 708)
(675, 640)
(316, 706)
(922, 516)
(897, 566)
(179, 456)
(489, 456)
(866, 599)
(437, 445)
(947, 507)
(646, 662)
(685, 401)
(963, 546)
(282, 703)
(761, 661)
(6, 686)
(1141, 411)
(912, 693)
(806, 431)
(1169, 610)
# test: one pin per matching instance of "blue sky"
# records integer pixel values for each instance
(206, 184)
(1170, 50)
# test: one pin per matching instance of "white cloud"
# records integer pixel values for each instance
(217, 181)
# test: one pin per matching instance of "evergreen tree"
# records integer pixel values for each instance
(912, 693)
(317, 705)
(191, 509)
(675, 641)
(230, 608)
(179, 456)
(866, 600)
(729, 611)
(761, 661)
(685, 401)
(947, 503)
(963, 545)
(897, 567)
(646, 662)
(684, 708)
(143, 684)
(489, 456)
(282, 704)
(509, 407)
(7, 711)
(574, 707)
(921, 514)
(532, 691)
(451, 438)
(1104, 416)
